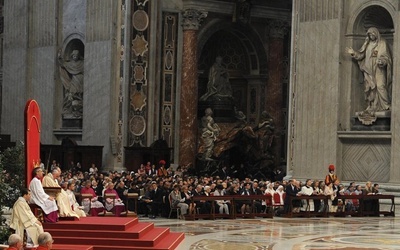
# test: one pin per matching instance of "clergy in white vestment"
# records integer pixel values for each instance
(307, 190)
(64, 206)
(22, 218)
(46, 202)
(72, 199)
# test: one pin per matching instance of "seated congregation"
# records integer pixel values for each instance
(152, 192)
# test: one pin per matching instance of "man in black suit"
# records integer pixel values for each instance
(156, 199)
(204, 206)
(292, 190)
(255, 190)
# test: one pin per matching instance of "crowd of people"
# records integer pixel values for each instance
(95, 193)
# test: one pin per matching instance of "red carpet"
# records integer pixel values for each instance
(115, 233)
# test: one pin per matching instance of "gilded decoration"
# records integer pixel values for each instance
(138, 90)
(138, 73)
(140, 20)
(138, 100)
(139, 45)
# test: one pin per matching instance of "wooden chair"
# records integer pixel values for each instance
(113, 197)
(89, 197)
(277, 199)
(131, 197)
(37, 211)
(173, 208)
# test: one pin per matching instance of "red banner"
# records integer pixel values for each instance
(32, 138)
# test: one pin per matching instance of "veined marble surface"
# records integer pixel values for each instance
(350, 233)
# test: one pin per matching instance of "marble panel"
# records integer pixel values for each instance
(74, 17)
(15, 24)
(98, 84)
(14, 93)
(316, 97)
(43, 88)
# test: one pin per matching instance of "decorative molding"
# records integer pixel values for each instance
(220, 7)
(138, 87)
(193, 18)
(118, 141)
(366, 159)
(170, 27)
(278, 28)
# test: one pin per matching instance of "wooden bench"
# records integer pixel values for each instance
(233, 200)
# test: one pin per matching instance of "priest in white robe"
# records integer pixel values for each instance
(64, 206)
(22, 218)
(46, 202)
(307, 190)
(72, 200)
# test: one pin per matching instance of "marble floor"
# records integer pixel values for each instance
(355, 233)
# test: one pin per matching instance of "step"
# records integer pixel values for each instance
(149, 239)
(90, 223)
(69, 247)
(171, 241)
(133, 232)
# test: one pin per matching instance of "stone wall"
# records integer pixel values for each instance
(314, 92)
(326, 92)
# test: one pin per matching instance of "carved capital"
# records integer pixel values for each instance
(193, 18)
(278, 28)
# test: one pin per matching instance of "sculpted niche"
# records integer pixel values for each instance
(72, 74)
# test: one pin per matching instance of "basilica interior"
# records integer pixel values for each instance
(202, 84)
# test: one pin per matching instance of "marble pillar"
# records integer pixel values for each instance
(188, 97)
(274, 91)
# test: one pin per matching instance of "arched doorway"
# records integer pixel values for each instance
(244, 56)
(245, 59)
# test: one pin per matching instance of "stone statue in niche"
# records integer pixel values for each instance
(375, 61)
(71, 73)
(218, 86)
(209, 132)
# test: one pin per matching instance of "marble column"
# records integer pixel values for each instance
(188, 97)
(274, 91)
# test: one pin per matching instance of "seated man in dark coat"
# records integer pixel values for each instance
(204, 206)
(156, 199)
(291, 191)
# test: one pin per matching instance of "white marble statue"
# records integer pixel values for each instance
(375, 62)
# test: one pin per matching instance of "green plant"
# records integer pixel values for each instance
(12, 179)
